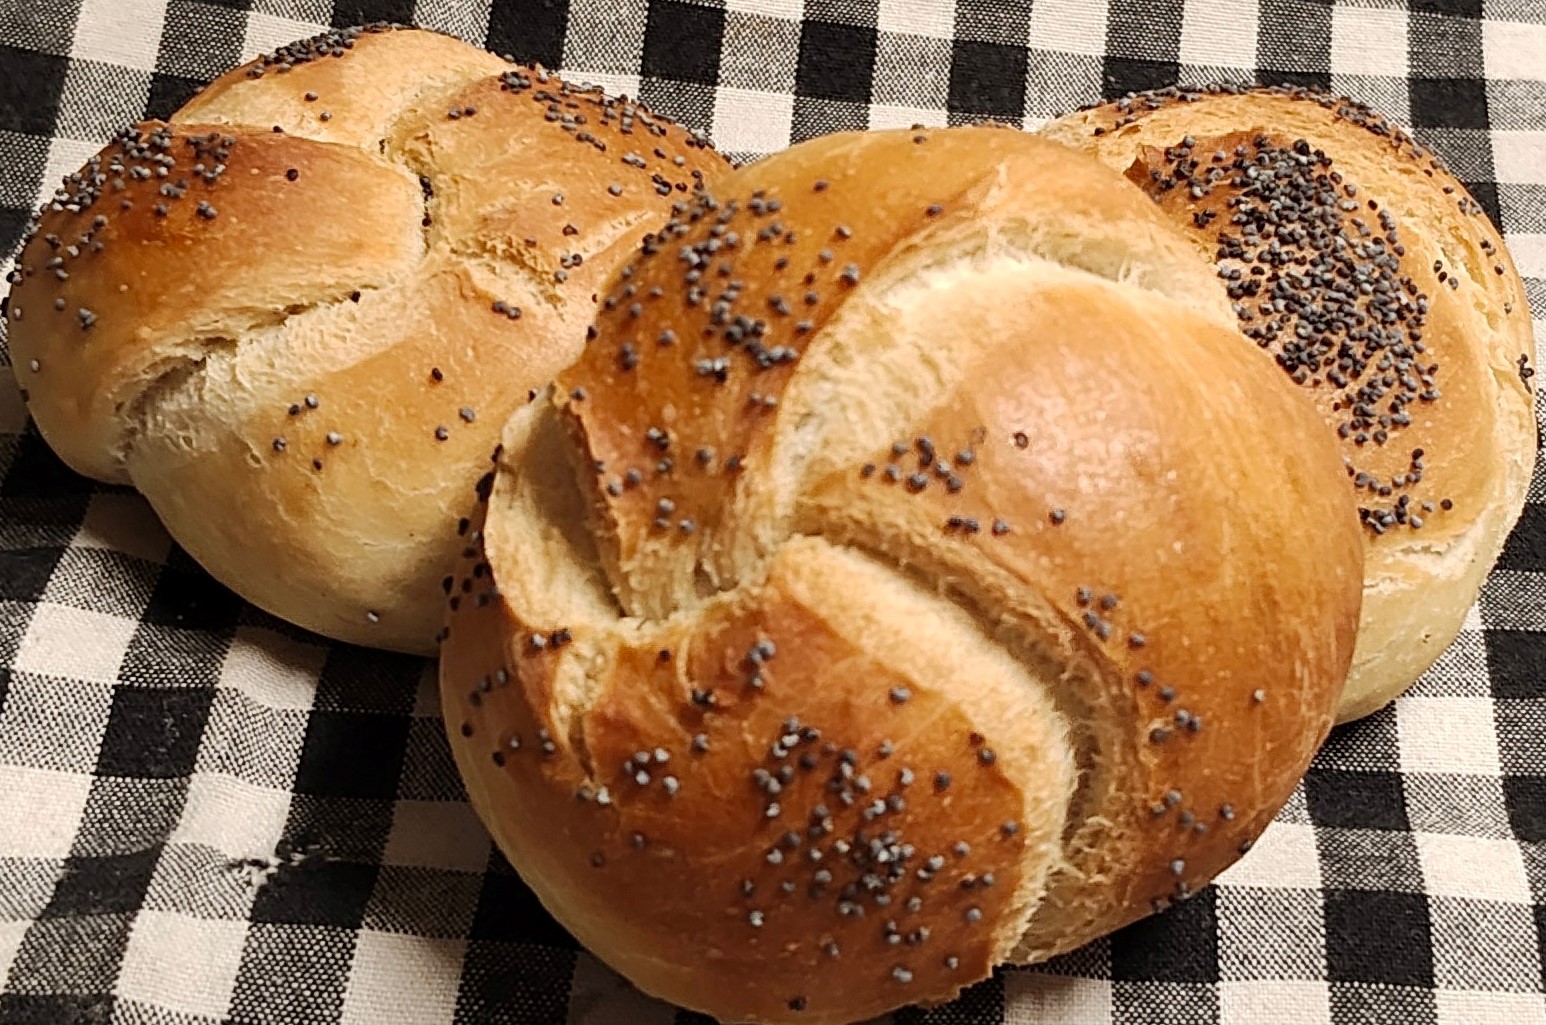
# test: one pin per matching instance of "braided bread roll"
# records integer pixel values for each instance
(915, 572)
(296, 316)
(1379, 285)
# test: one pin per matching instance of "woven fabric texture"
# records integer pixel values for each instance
(209, 817)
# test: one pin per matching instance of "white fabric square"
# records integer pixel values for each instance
(11, 935)
(268, 32)
(1472, 867)
(402, 980)
(182, 963)
(750, 121)
(1033, 998)
(1284, 857)
(1460, 1007)
(40, 812)
(1369, 41)
(1275, 1000)
(1219, 33)
(74, 644)
(437, 834)
(884, 115)
(126, 32)
(124, 523)
(272, 669)
(1519, 156)
(912, 18)
(1512, 49)
(1073, 26)
(1529, 252)
(1447, 735)
(790, 9)
(232, 816)
(599, 996)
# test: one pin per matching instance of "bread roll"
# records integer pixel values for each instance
(916, 571)
(297, 315)
(1378, 284)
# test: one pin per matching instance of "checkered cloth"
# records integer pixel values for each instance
(207, 816)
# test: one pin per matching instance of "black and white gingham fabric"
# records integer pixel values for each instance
(209, 817)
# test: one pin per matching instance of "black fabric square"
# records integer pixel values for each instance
(1356, 800)
(1486, 196)
(1459, 8)
(341, 828)
(365, 680)
(352, 754)
(509, 911)
(514, 984)
(168, 93)
(1526, 546)
(837, 62)
(103, 886)
(316, 890)
(188, 597)
(682, 40)
(347, 13)
(154, 731)
(1123, 75)
(1177, 945)
(1449, 103)
(13, 223)
(987, 80)
(51, 1008)
(24, 573)
(1303, 79)
(30, 84)
(75, 956)
(1525, 797)
(291, 973)
(529, 30)
(36, 472)
(1514, 663)
(1378, 937)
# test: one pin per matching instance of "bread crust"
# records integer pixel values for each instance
(889, 538)
(1413, 336)
(296, 315)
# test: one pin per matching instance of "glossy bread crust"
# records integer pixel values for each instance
(297, 315)
(874, 600)
(1377, 284)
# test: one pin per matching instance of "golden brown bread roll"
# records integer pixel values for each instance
(296, 316)
(1376, 282)
(915, 572)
